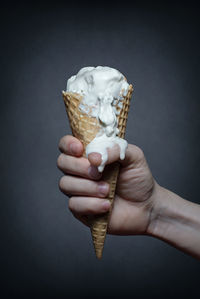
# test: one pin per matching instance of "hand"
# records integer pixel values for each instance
(135, 189)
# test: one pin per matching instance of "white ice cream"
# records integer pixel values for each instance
(102, 89)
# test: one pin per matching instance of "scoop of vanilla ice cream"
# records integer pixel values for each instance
(96, 82)
(101, 87)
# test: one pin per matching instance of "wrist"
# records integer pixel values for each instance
(175, 221)
(159, 204)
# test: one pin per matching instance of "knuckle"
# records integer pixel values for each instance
(138, 151)
(63, 143)
(71, 204)
(62, 183)
(60, 161)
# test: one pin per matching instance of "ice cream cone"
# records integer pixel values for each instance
(85, 128)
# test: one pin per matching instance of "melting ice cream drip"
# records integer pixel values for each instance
(102, 88)
(107, 116)
(106, 138)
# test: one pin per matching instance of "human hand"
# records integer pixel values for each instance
(135, 189)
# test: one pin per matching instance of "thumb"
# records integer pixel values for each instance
(133, 155)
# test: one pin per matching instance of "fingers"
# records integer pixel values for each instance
(71, 162)
(78, 166)
(80, 186)
(84, 205)
(88, 206)
(133, 155)
(95, 159)
(71, 146)
(113, 155)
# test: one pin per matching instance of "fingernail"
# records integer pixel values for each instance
(93, 172)
(103, 189)
(106, 205)
(74, 148)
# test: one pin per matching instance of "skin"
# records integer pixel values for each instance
(141, 206)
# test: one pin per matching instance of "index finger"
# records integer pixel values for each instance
(71, 146)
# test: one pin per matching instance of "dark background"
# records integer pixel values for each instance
(45, 251)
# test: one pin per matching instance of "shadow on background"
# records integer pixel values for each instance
(45, 252)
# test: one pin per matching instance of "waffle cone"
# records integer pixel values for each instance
(85, 128)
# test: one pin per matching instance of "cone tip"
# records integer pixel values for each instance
(99, 255)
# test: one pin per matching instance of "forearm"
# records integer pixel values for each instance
(176, 221)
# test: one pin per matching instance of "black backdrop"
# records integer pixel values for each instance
(44, 250)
